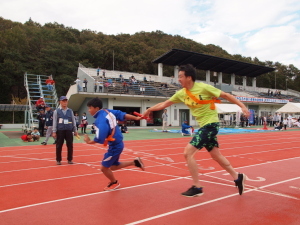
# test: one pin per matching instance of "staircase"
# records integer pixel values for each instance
(36, 87)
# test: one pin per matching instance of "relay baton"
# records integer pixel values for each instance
(77, 137)
(140, 115)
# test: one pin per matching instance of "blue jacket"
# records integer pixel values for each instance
(184, 127)
(104, 124)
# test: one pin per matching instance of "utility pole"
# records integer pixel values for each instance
(113, 59)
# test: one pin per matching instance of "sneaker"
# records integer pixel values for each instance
(239, 183)
(112, 186)
(58, 163)
(138, 163)
(44, 143)
(193, 192)
(70, 162)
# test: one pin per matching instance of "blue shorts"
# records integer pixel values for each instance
(112, 156)
(206, 137)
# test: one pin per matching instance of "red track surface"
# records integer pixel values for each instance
(33, 190)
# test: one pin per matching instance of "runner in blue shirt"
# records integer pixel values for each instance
(108, 133)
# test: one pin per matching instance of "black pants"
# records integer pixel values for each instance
(42, 128)
(83, 129)
(61, 136)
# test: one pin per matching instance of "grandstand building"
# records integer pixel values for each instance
(147, 90)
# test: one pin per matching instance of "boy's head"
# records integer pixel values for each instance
(29, 136)
(189, 71)
(94, 105)
(35, 129)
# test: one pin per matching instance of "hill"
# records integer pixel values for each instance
(53, 49)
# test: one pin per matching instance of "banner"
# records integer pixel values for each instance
(251, 117)
(253, 99)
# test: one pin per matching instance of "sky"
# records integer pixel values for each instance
(266, 29)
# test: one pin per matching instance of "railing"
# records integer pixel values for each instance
(92, 72)
(28, 114)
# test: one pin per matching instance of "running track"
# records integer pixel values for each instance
(35, 191)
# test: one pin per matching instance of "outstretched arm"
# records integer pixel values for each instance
(233, 100)
(157, 107)
(131, 117)
(88, 140)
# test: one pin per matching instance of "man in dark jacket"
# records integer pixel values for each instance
(48, 124)
(64, 126)
(42, 118)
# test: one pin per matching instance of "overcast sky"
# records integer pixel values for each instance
(266, 29)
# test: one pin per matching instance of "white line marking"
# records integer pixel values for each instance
(38, 181)
(183, 209)
(298, 188)
(80, 196)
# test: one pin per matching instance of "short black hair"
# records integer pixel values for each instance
(95, 102)
(189, 71)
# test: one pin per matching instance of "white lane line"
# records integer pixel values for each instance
(38, 181)
(217, 199)
(183, 209)
(80, 196)
(293, 187)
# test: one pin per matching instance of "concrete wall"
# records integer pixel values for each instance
(12, 126)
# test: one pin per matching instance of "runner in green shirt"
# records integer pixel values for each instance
(200, 98)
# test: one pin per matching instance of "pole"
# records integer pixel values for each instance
(113, 59)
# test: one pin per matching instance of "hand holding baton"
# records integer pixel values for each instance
(140, 115)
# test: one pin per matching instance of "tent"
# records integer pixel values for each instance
(228, 108)
(290, 107)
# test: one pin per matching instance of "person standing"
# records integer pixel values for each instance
(164, 117)
(49, 125)
(78, 83)
(285, 123)
(42, 119)
(77, 120)
(85, 85)
(201, 99)
(84, 123)
(98, 71)
(63, 127)
(100, 84)
(95, 85)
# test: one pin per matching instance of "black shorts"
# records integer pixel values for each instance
(206, 137)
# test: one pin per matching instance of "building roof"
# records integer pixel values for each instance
(12, 107)
(176, 57)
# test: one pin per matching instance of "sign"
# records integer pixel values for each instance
(265, 100)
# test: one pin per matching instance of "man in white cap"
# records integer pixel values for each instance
(63, 127)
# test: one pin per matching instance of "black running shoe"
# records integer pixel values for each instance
(239, 183)
(138, 163)
(193, 192)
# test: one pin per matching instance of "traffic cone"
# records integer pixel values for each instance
(265, 126)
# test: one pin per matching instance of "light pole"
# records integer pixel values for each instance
(113, 59)
(275, 78)
(286, 79)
